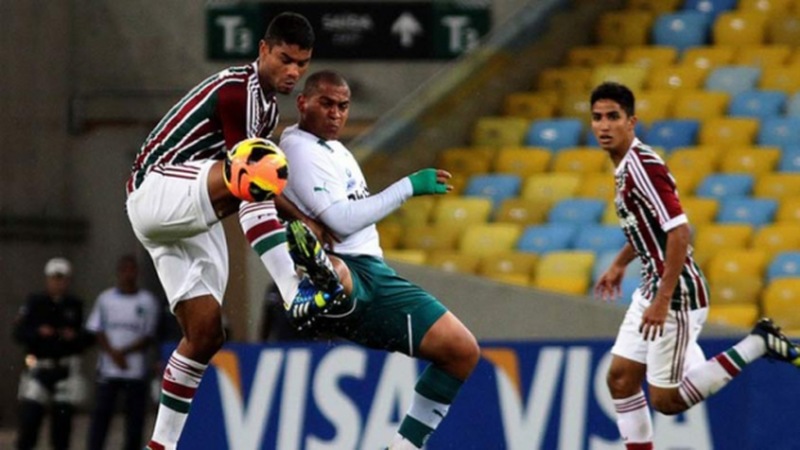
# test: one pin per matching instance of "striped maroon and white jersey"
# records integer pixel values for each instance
(224, 109)
(648, 207)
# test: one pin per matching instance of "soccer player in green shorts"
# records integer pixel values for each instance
(385, 311)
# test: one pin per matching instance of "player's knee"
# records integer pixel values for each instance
(464, 352)
(668, 403)
(621, 383)
(206, 339)
(343, 272)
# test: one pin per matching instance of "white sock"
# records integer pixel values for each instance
(633, 419)
(401, 443)
(181, 378)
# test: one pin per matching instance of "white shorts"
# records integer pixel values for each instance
(172, 217)
(667, 357)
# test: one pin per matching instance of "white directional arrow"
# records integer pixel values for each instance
(406, 26)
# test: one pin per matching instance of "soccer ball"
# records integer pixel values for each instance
(255, 170)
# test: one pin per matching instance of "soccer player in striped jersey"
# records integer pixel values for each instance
(658, 337)
(177, 197)
(386, 311)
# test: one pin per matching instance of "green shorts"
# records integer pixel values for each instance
(390, 312)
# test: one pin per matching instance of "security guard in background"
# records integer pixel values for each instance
(50, 328)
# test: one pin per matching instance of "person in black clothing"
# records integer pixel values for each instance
(50, 328)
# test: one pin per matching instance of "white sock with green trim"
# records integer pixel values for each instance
(181, 378)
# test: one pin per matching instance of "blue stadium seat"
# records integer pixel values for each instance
(733, 79)
(496, 187)
(711, 7)
(577, 211)
(682, 29)
(600, 238)
(793, 105)
(721, 185)
(753, 211)
(784, 265)
(629, 285)
(790, 159)
(547, 238)
(759, 104)
(779, 132)
(672, 133)
(591, 140)
(554, 134)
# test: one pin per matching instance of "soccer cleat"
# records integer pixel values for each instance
(779, 347)
(310, 303)
(310, 258)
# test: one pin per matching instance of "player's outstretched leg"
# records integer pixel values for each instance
(779, 347)
(310, 258)
(310, 303)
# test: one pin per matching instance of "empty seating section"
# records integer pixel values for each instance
(717, 86)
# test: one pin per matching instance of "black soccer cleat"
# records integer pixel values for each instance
(779, 347)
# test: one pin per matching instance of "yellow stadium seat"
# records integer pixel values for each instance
(549, 188)
(490, 238)
(429, 237)
(597, 185)
(788, 210)
(458, 212)
(576, 105)
(700, 210)
(522, 211)
(624, 28)
(654, 105)
(742, 315)
(389, 233)
(739, 28)
(708, 57)
(711, 238)
(763, 55)
(581, 160)
(509, 267)
(565, 79)
(466, 161)
(700, 105)
(499, 131)
(406, 256)
(780, 300)
(655, 6)
(784, 29)
(777, 237)
(756, 161)
(681, 78)
(741, 290)
(454, 261)
(650, 57)
(768, 7)
(416, 211)
(593, 55)
(566, 271)
(563, 284)
(736, 263)
(531, 105)
(522, 161)
(631, 75)
(728, 132)
(781, 78)
(698, 161)
(686, 180)
(778, 185)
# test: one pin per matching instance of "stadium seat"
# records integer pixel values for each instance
(522, 211)
(767, 7)
(466, 161)
(389, 233)
(554, 134)
(575, 105)
(756, 161)
(610, 214)
(496, 187)
(780, 300)
(598, 186)
(732, 264)
(577, 211)
(546, 238)
(650, 57)
(761, 105)
(454, 262)
(565, 79)
(652, 105)
(779, 131)
(429, 238)
(700, 211)
(593, 55)
(676, 78)
(739, 290)
(629, 74)
(562, 284)
(654, 6)
(711, 238)
(581, 160)
(416, 211)
(708, 57)
(510, 267)
(700, 105)
(566, 272)
(711, 7)
(458, 212)
(531, 105)
(728, 131)
(777, 237)
(763, 55)
(489, 238)
(600, 238)
(681, 29)
(739, 28)
(624, 28)
(686, 180)
(605, 258)
(548, 188)
(732, 79)
(789, 211)
(522, 161)
(784, 29)
(778, 185)
(725, 185)
(672, 133)
(790, 159)
(738, 315)
(687, 158)
(781, 78)
(753, 211)
(499, 131)
(406, 256)
(793, 105)
(784, 265)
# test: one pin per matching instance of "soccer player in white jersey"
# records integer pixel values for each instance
(385, 311)
(177, 197)
(124, 320)
(657, 340)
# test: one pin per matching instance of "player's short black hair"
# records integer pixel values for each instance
(292, 29)
(617, 92)
(323, 76)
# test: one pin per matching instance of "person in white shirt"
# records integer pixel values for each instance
(124, 321)
(385, 311)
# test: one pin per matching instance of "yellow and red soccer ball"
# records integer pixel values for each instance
(256, 170)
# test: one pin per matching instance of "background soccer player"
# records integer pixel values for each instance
(658, 337)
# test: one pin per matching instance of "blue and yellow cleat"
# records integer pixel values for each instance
(779, 347)
(310, 303)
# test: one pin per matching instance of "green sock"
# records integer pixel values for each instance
(434, 392)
